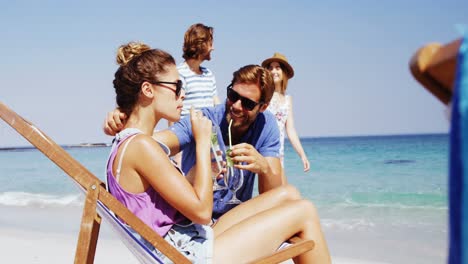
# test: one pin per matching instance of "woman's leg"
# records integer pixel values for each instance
(261, 234)
(255, 205)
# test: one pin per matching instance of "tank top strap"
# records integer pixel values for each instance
(124, 137)
(119, 164)
(120, 138)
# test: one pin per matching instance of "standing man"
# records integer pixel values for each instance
(198, 82)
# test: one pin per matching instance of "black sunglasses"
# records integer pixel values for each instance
(177, 84)
(233, 96)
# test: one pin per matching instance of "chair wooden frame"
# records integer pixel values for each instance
(434, 67)
(95, 191)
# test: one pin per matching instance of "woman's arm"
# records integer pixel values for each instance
(193, 201)
(152, 164)
(293, 138)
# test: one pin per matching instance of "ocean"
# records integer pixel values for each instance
(380, 198)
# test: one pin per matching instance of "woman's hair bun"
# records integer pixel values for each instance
(127, 52)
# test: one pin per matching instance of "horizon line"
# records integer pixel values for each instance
(102, 144)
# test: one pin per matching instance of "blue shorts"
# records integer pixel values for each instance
(195, 241)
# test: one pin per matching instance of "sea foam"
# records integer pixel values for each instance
(39, 200)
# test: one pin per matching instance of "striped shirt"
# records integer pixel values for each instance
(199, 88)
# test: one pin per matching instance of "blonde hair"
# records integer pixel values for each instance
(127, 52)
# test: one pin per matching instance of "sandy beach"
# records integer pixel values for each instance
(22, 246)
(49, 235)
(54, 248)
(58, 248)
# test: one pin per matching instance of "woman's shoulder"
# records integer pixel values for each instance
(146, 144)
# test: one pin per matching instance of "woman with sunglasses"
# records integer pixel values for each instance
(281, 105)
(179, 208)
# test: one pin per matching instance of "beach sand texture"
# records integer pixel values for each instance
(49, 235)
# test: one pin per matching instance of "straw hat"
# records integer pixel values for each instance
(278, 57)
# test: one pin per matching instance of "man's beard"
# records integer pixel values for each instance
(242, 125)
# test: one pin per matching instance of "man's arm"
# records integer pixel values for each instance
(168, 138)
(268, 168)
(273, 177)
(269, 149)
(177, 136)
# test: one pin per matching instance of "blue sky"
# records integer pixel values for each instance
(350, 58)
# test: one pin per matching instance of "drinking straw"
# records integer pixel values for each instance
(228, 158)
(229, 131)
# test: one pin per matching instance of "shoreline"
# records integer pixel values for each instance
(68, 146)
(101, 144)
(50, 235)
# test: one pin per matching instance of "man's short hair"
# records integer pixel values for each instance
(255, 74)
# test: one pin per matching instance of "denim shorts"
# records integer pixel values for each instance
(195, 241)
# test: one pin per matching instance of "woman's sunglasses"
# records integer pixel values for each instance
(177, 84)
(233, 96)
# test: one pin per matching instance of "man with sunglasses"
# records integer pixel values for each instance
(254, 134)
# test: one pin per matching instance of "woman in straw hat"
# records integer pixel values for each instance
(281, 105)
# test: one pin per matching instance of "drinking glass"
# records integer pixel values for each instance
(217, 159)
(233, 179)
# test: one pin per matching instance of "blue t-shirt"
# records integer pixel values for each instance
(263, 135)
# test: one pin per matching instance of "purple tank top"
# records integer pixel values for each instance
(149, 206)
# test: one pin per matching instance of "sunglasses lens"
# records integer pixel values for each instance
(178, 87)
(233, 96)
(248, 104)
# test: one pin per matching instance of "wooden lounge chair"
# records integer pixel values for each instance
(100, 203)
(434, 67)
